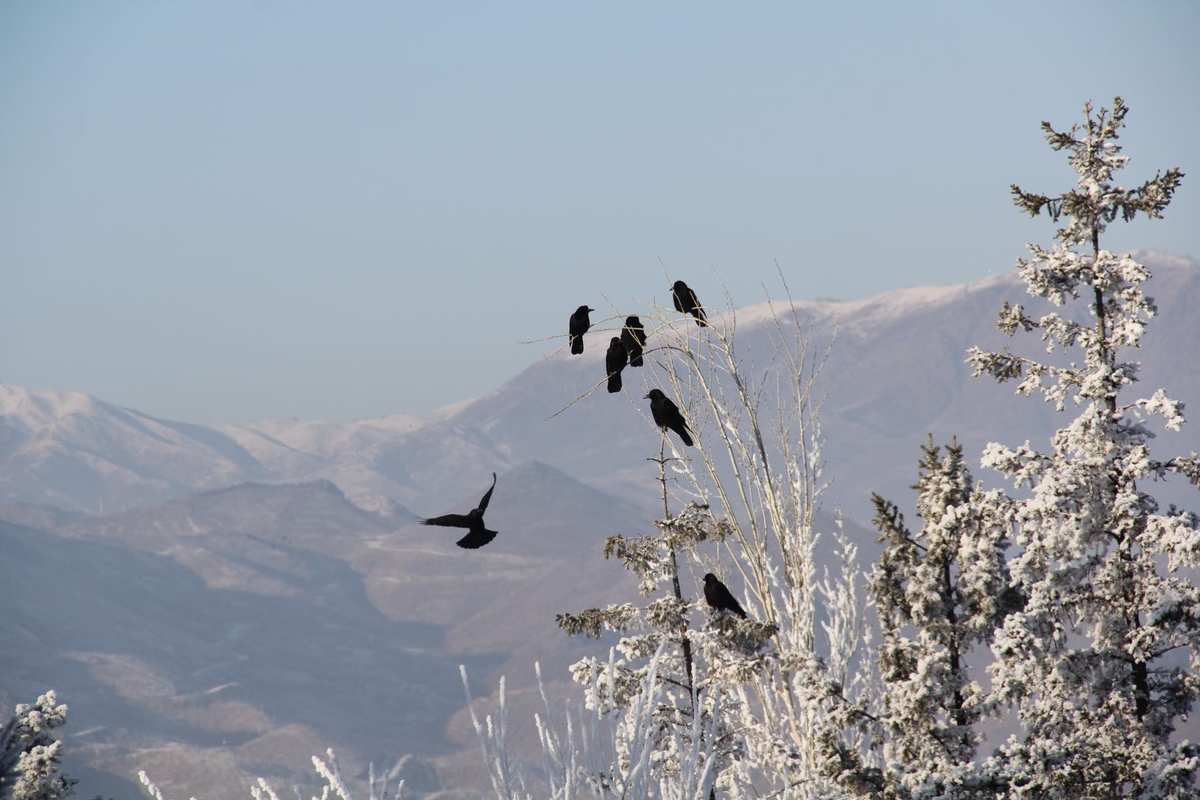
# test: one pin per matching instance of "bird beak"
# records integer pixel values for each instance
(591, 309)
(647, 397)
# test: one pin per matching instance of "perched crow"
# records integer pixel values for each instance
(577, 327)
(666, 415)
(614, 362)
(633, 336)
(719, 597)
(686, 302)
(478, 535)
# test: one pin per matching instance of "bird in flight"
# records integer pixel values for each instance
(718, 596)
(633, 336)
(477, 535)
(577, 327)
(686, 302)
(666, 415)
(614, 362)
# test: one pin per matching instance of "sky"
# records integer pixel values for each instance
(227, 211)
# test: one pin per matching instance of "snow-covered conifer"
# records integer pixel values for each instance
(1096, 663)
(939, 592)
(30, 752)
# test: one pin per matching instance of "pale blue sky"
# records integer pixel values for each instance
(223, 211)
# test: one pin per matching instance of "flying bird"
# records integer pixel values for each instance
(577, 327)
(614, 362)
(633, 336)
(686, 302)
(477, 535)
(666, 415)
(718, 596)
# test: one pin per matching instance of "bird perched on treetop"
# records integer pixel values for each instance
(686, 302)
(614, 362)
(478, 535)
(718, 596)
(633, 336)
(666, 415)
(577, 327)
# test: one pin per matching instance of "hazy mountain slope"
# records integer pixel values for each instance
(147, 655)
(240, 630)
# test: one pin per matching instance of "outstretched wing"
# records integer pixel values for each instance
(476, 538)
(449, 521)
(483, 503)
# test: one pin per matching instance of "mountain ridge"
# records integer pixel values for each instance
(76, 452)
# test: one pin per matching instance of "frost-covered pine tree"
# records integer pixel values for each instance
(1096, 663)
(30, 752)
(940, 593)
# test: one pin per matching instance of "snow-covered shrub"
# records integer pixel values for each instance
(761, 692)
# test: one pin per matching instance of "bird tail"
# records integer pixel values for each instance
(683, 435)
(576, 345)
(614, 382)
(701, 317)
(636, 360)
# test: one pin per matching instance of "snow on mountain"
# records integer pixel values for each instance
(73, 451)
(895, 372)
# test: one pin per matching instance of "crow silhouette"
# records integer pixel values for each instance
(666, 415)
(718, 596)
(477, 535)
(614, 362)
(686, 302)
(577, 327)
(633, 336)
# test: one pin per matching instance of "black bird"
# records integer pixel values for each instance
(686, 302)
(478, 535)
(718, 596)
(666, 415)
(614, 362)
(633, 336)
(577, 327)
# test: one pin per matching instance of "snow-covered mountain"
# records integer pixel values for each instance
(895, 372)
(74, 451)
